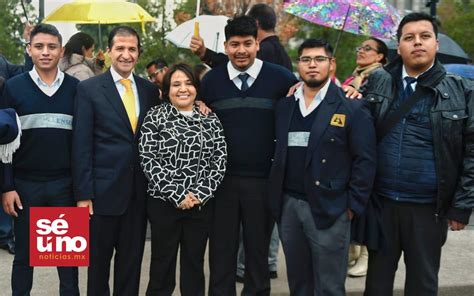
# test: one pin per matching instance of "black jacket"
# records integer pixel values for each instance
(182, 154)
(452, 120)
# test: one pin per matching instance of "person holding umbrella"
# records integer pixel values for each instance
(271, 49)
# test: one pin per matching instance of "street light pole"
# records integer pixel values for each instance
(41, 10)
(432, 5)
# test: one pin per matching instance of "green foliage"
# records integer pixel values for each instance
(154, 43)
(12, 24)
(456, 21)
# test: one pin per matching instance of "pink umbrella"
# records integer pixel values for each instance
(362, 17)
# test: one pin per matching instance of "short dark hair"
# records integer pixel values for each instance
(265, 15)
(199, 69)
(316, 43)
(381, 48)
(243, 25)
(122, 31)
(46, 29)
(187, 70)
(158, 63)
(76, 42)
(416, 17)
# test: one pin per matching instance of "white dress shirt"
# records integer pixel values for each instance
(121, 89)
(253, 72)
(47, 89)
(405, 74)
(318, 98)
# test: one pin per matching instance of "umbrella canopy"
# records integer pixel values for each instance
(449, 51)
(211, 29)
(463, 70)
(362, 17)
(100, 12)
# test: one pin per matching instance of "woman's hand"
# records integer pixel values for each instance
(351, 92)
(203, 107)
(189, 202)
(100, 58)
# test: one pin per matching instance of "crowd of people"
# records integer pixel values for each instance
(238, 154)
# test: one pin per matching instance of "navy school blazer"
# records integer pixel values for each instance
(340, 159)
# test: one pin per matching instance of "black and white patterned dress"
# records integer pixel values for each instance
(171, 146)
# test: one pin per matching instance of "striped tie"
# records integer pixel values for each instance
(129, 103)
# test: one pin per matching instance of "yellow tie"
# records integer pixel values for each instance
(129, 103)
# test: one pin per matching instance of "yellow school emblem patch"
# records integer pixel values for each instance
(338, 120)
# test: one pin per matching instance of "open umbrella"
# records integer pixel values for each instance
(449, 51)
(211, 29)
(100, 12)
(461, 69)
(362, 17)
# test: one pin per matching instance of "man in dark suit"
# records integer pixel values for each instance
(107, 176)
(322, 174)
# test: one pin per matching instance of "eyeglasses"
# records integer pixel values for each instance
(366, 48)
(316, 59)
(153, 75)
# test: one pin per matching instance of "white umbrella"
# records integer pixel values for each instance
(211, 29)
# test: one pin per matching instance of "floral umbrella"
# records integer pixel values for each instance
(374, 18)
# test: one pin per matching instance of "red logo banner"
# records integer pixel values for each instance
(59, 236)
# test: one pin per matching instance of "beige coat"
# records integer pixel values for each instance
(80, 67)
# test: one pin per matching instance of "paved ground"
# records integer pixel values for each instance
(456, 277)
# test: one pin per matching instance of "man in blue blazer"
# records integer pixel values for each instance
(322, 174)
(108, 179)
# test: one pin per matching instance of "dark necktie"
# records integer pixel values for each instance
(408, 89)
(243, 77)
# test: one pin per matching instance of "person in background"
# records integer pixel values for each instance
(183, 154)
(156, 70)
(271, 50)
(40, 174)
(200, 70)
(371, 55)
(78, 60)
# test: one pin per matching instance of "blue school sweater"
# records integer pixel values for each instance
(45, 150)
(247, 117)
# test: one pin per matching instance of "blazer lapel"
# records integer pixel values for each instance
(326, 110)
(113, 96)
(142, 100)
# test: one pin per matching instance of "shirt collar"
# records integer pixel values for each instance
(319, 96)
(117, 77)
(405, 74)
(252, 70)
(57, 80)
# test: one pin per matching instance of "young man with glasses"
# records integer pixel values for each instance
(156, 70)
(322, 174)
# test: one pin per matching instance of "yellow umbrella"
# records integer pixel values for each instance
(100, 12)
